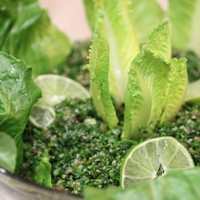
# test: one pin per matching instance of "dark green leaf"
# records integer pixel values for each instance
(28, 35)
(8, 152)
(17, 95)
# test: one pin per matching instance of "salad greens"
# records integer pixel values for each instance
(8, 152)
(184, 184)
(17, 95)
(42, 174)
(146, 15)
(140, 20)
(110, 15)
(147, 81)
(185, 24)
(153, 78)
(99, 86)
(22, 25)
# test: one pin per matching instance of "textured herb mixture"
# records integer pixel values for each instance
(83, 151)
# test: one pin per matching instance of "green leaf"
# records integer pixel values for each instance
(159, 42)
(43, 171)
(184, 16)
(8, 152)
(112, 18)
(145, 16)
(90, 13)
(182, 185)
(157, 85)
(17, 95)
(176, 89)
(31, 37)
(99, 86)
(145, 93)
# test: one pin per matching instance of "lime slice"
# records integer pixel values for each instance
(153, 158)
(42, 115)
(56, 88)
(193, 92)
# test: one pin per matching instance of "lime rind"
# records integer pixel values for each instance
(193, 92)
(56, 88)
(41, 116)
(153, 158)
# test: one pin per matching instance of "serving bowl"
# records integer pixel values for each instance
(13, 187)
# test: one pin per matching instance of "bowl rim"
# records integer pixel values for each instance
(37, 186)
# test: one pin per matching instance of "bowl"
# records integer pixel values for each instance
(13, 187)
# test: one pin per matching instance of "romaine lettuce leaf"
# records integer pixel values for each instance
(17, 95)
(182, 185)
(184, 16)
(159, 42)
(112, 18)
(176, 89)
(29, 35)
(157, 85)
(145, 16)
(90, 13)
(99, 85)
(145, 94)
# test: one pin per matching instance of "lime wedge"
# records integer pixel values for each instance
(153, 158)
(42, 115)
(193, 92)
(56, 88)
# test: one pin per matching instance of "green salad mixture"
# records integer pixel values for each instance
(82, 149)
(143, 85)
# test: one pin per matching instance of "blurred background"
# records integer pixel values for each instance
(69, 16)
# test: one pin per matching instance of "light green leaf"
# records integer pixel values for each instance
(31, 37)
(90, 13)
(145, 15)
(157, 85)
(194, 43)
(145, 94)
(159, 42)
(176, 89)
(184, 16)
(43, 171)
(17, 95)
(8, 152)
(182, 185)
(138, 102)
(112, 18)
(99, 85)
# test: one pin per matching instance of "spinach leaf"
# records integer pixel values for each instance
(18, 93)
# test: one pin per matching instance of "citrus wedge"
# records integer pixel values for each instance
(56, 88)
(41, 115)
(193, 92)
(153, 158)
